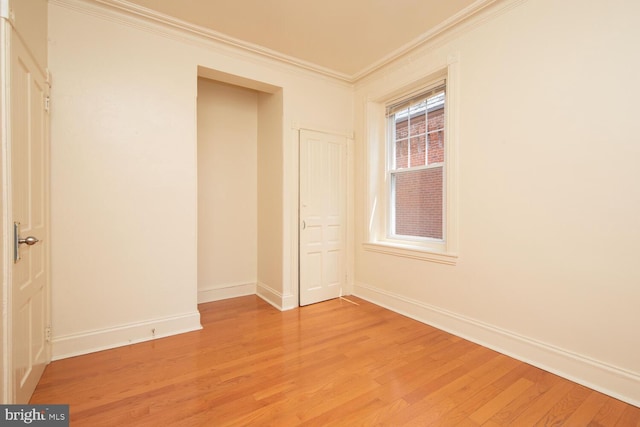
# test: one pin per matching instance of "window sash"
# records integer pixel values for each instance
(393, 171)
(409, 138)
(392, 231)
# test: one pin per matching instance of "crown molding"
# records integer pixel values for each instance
(132, 10)
(424, 38)
(128, 9)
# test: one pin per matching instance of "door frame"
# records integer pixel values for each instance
(6, 389)
(349, 226)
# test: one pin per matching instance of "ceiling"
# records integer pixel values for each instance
(347, 37)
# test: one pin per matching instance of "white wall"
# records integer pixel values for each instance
(549, 201)
(124, 206)
(227, 190)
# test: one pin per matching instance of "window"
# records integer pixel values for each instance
(415, 134)
(412, 167)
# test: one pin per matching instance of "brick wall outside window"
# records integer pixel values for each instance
(418, 194)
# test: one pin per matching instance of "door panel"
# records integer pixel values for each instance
(323, 167)
(29, 180)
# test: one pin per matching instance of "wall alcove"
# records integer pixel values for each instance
(240, 191)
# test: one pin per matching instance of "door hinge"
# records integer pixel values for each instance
(47, 103)
(47, 333)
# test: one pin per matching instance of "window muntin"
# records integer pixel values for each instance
(416, 132)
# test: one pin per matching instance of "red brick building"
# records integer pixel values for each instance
(418, 193)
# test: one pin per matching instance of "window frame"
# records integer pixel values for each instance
(378, 197)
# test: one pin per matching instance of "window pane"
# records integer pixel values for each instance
(417, 119)
(402, 129)
(436, 132)
(436, 147)
(402, 154)
(436, 118)
(417, 149)
(418, 203)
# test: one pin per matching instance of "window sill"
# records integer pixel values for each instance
(410, 251)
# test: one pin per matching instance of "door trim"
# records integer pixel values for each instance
(6, 251)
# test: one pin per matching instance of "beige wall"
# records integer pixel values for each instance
(240, 192)
(549, 206)
(227, 188)
(30, 21)
(124, 179)
(270, 198)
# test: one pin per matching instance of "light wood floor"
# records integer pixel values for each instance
(332, 363)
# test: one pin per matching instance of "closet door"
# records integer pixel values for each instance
(323, 216)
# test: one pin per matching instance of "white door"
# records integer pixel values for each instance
(323, 216)
(30, 210)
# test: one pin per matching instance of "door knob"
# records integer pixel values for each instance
(29, 240)
(17, 241)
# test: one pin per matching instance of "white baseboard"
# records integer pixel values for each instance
(275, 298)
(289, 302)
(103, 339)
(613, 381)
(217, 293)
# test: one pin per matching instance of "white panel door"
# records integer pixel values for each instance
(323, 216)
(29, 190)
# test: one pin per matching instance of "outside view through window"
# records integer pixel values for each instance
(417, 167)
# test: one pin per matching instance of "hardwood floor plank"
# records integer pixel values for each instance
(490, 391)
(542, 382)
(502, 399)
(541, 406)
(609, 413)
(333, 363)
(444, 404)
(380, 417)
(585, 413)
(629, 418)
(563, 409)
